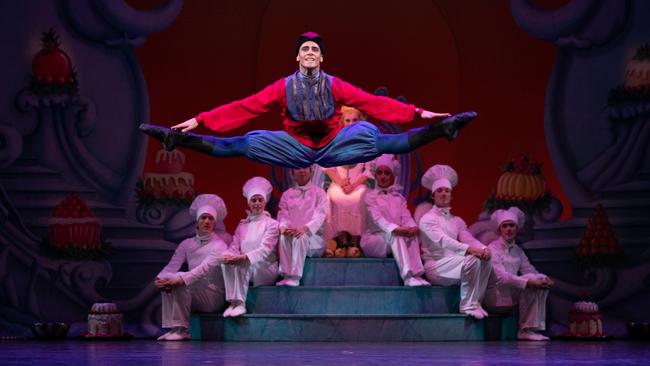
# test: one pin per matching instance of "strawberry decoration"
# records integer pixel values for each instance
(74, 231)
(52, 70)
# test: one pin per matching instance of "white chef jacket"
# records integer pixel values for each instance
(302, 206)
(257, 237)
(510, 269)
(387, 210)
(201, 257)
(444, 234)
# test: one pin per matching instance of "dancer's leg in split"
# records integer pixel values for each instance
(210, 145)
(269, 147)
(359, 142)
(362, 141)
(414, 138)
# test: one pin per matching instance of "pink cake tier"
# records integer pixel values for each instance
(168, 180)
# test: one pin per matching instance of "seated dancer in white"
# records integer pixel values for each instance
(201, 288)
(450, 253)
(252, 255)
(301, 216)
(514, 280)
(390, 227)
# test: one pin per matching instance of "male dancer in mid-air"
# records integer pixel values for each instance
(311, 102)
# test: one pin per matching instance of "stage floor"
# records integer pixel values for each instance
(150, 352)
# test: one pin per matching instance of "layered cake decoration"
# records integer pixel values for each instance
(168, 183)
(105, 321)
(630, 100)
(585, 320)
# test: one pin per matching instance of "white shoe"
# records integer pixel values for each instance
(238, 310)
(475, 313)
(164, 336)
(485, 313)
(530, 335)
(282, 282)
(289, 282)
(293, 282)
(228, 311)
(179, 334)
(416, 281)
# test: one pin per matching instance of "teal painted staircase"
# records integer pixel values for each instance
(344, 300)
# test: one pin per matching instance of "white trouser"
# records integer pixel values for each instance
(532, 303)
(293, 251)
(202, 296)
(472, 274)
(237, 277)
(406, 252)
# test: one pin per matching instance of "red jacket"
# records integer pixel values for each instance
(236, 114)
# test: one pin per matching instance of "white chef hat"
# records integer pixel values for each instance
(210, 204)
(388, 160)
(257, 185)
(439, 176)
(512, 214)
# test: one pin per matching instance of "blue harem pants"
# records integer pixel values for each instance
(356, 143)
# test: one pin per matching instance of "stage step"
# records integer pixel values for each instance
(336, 328)
(632, 190)
(615, 208)
(393, 300)
(351, 272)
(636, 226)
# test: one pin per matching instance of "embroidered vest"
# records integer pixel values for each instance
(309, 100)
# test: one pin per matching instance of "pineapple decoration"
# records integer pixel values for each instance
(521, 184)
(52, 70)
(598, 246)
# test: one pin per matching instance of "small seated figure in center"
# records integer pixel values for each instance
(252, 256)
(346, 219)
(301, 215)
(390, 227)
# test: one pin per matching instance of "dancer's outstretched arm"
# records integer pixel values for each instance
(236, 114)
(186, 126)
(429, 115)
(380, 107)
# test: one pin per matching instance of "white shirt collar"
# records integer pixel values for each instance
(203, 239)
(444, 210)
(505, 244)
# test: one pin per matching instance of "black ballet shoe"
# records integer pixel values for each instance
(452, 125)
(447, 128)
(172, 138)
(166, 136)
